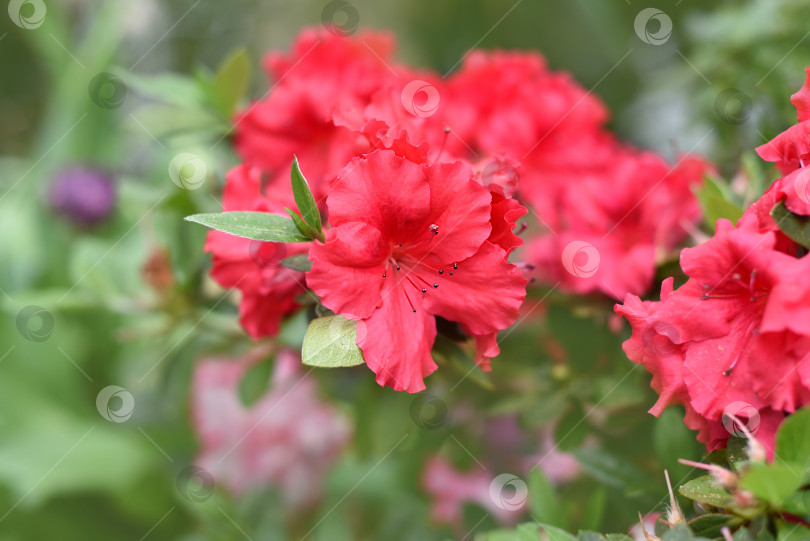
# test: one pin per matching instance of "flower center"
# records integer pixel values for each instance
(737, 288)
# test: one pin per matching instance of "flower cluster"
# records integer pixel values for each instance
(423, 180)
(730, 345)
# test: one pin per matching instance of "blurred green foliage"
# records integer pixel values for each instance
(184, 66)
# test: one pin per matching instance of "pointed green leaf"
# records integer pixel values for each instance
(710, 524)
(772, 482)
(331, 342)
(301, 225)
(794, 226)
(705, 490)
(789, 531)
(298, 262)
(797, 503)
(232, 80)
(543, 500)
(737, 452)
(251, 225)
(303, 198)
(556, 534)
(715, 200)
(793, 438)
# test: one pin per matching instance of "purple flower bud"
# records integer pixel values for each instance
(83, 195)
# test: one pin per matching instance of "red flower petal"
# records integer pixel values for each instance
(484, 294)
(347, 270)
(384, 190)
(397, 341)
(801, 99)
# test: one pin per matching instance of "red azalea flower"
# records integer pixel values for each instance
(322, 73)
(409, 243)
(738, 332)
(268, 288)
(509, 102)
(614, 223)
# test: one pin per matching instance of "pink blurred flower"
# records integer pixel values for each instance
(288, 439)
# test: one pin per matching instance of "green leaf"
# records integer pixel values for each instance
(251, 225)
(594, 509)
(680, 532)
(331, 342)
(788, 531)
(298, 262)
(793, 438)
(556, 534)
(705, 490)
(794, 226)
(544, 503)
(709, 525)
(772, 482)
(255, 382)
(611, 469)
(232, 80)
(303, 198)
(448, 352)
(715, 200)
(673, 440)
(737, 453)
(797, 503)
(301, 225)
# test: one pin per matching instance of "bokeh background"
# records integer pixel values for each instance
(108, 93)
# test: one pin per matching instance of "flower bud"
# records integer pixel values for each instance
(84, 196)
